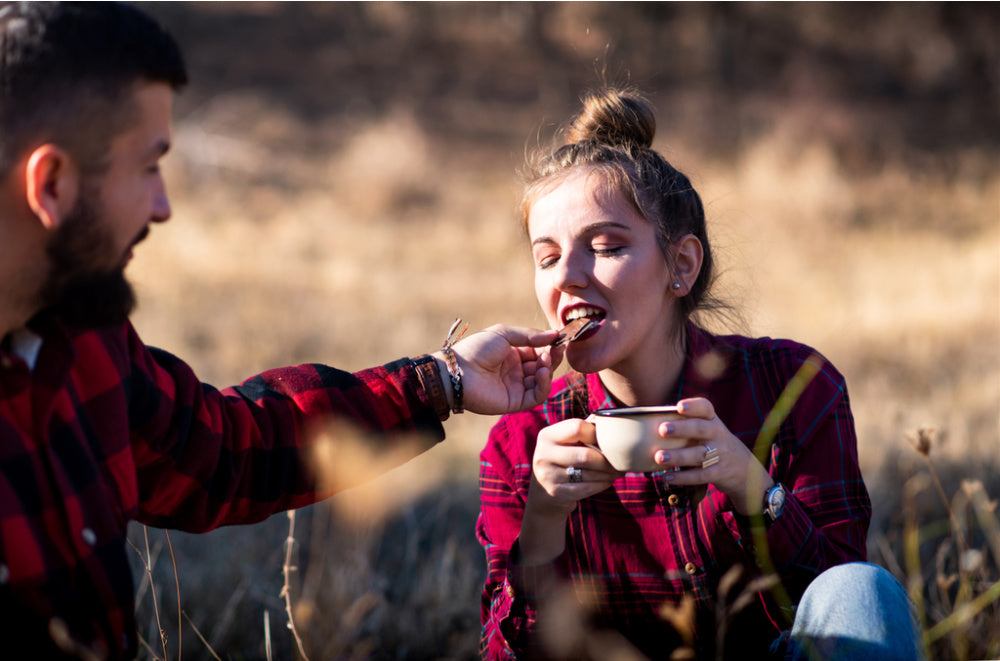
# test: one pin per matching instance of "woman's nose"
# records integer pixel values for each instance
(571, 272)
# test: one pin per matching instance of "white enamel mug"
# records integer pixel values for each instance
(627, 436)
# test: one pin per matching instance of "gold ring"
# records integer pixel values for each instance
(711, 457)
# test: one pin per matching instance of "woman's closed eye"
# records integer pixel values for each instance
(547, 261)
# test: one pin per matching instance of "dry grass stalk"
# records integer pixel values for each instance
(959, 605)
(202, 638)
(267, 634)
(177, 585)
(286, 592)
(147, 564)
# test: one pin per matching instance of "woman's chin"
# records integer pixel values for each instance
(583, 362)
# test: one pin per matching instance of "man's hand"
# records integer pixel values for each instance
(504, 368)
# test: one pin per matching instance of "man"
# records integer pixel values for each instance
(97, 429)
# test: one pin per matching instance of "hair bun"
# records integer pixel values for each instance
(620, 118)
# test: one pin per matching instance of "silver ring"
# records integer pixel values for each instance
(711, 457)
(575, 474)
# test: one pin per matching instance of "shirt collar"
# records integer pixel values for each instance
(25, 344)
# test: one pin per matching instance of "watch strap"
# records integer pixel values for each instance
(430, 378)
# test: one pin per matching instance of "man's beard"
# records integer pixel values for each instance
(80, 294)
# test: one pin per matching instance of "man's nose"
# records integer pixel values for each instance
(161, 207)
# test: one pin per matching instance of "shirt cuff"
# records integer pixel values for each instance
(536, 582)
(786, 535)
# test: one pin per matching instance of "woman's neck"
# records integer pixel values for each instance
(648, 382)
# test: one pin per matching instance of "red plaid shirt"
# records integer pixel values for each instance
(105, 430)
(643, 543)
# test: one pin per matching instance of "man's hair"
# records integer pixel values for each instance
(67, 71)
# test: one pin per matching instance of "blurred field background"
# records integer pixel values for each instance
(343, 185)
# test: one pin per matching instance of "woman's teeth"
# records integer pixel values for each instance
(580, 312)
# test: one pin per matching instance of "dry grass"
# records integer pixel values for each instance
(350, 190)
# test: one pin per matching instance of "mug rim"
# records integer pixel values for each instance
(636, 410)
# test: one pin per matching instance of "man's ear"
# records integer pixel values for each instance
(688, 255)
(52, 184)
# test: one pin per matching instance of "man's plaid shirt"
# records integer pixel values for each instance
(104, 430)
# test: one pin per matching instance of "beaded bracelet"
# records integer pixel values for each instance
(454, 370)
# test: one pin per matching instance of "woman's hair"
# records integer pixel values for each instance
(612, 137)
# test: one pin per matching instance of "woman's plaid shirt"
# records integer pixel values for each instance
(637, 551)
(104, 431)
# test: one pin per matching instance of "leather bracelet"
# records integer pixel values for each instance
(454, 369)
(429, 375)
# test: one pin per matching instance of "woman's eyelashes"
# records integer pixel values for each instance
(548, 261)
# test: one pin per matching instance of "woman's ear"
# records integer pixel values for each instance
(52, 184)
(688, 254)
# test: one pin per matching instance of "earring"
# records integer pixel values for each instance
(676, 286)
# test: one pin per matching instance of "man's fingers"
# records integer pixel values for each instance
(520, 336)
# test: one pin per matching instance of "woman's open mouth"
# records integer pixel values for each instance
(581, 322)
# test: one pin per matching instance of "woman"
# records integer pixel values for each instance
(583, 559)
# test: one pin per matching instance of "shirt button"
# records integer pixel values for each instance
(89, 537)
(673, 499)
(4, 574)
(691, 568)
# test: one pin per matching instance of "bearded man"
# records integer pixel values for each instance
(96, 428)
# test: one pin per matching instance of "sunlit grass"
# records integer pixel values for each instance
(355, 243)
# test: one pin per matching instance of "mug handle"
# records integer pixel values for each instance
(592, 419)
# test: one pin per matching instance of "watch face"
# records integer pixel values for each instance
(777, 499)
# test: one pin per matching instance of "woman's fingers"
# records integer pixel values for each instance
(696, 407)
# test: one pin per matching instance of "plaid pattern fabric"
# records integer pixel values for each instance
(643, 543)
(105, 431)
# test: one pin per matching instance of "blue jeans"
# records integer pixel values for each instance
(853, 612)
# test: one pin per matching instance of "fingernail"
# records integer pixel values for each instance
(668, 429)
(662, 457)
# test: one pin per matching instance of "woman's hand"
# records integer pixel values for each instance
(737, 473)
(569, 444)
(504, 368)
(553, 493)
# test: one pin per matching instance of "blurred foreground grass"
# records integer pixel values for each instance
(343, 187)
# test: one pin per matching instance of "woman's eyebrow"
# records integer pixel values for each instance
(589, 229)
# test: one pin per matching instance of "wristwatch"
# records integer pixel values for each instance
(774, 502)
